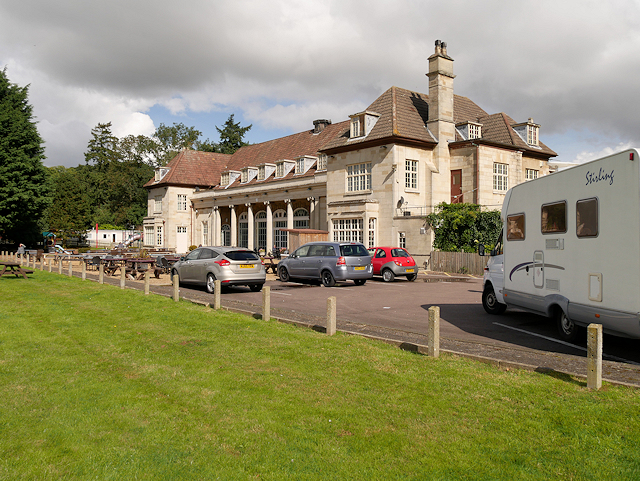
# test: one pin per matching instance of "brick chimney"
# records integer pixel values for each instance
(319, 125)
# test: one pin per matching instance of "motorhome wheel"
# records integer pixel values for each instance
(566, 327)
(490, 303)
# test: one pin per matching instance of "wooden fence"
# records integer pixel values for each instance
(457, 262)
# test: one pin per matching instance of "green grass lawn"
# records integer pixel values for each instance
(103, 383)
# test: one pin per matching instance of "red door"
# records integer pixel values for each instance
(456, 186)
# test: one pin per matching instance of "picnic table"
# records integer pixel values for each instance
(12, 267)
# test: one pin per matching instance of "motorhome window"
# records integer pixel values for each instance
(554, 218)
(497, 250)
(515, 227)
(587, 218)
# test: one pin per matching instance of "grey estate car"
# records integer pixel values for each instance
(328, 262)
(230, 265)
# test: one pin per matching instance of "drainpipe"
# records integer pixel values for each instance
(477, 195)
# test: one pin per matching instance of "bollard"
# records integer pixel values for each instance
(101, 274)
(176, 287)
(434, 331)
(331, 316)
(146, 281)
(84, 270)
(70, 268)
(594, 356)
(266, 303)
(34, 263)
(123, 276)
(50, 265)
(60, 266)
(28, 259)
(42, 264)
(216, 294)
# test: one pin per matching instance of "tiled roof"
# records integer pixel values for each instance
(192, 167)
(498, 128)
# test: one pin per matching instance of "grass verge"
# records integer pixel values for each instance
(97, 382)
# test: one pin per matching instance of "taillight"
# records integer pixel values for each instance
(341, 261)
(398, 263)
(223, 262)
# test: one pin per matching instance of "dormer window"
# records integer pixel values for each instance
(160, 173)
(229, 177)
(469, 130)
(224, 178)
(529, 132)
(362, 123)
(265, 171)
(304, 163)
(248, 174)
(322, 162)
(283, 167)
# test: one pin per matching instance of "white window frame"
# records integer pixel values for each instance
(157, 208)
(532, 134)
(402, 240)
(182, 202)
(159, 236)
(280, 238)
(224, 178)
(148, 235)
(300, 165)
(357, 127)
(205, 233)
(475, 131)
(372, 232)
(280, 169)
(500, 177)
(348, 230)
(301, 218)
(530, 174)
(261, 172)
(322, 162)
(411, 174)
(359, 177)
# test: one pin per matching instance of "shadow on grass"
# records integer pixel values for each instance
(561, 376)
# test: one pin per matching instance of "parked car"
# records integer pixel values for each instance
(328, 262)
(229, 265)
(390, 262)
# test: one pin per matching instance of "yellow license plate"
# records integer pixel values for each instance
(246, 266)
(360, 268)
(409, 270)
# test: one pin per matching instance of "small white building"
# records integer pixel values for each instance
(110, 238)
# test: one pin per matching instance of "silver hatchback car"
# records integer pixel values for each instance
(328, 262)
(230, 265)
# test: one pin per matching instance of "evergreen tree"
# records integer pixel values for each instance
(231, 136)
(24, 186)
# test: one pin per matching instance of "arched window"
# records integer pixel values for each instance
(261, 230)
(301, 219)
(226, 234)
(280, 238)
(243, 230)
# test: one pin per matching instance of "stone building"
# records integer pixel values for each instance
(371, 178)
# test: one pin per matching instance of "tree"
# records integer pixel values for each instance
(231, 136)
(463, 226)
(24, 184)
(69, 215)
(169, 141)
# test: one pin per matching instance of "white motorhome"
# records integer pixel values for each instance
(570, 248)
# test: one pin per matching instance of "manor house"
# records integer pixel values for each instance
(371, 178)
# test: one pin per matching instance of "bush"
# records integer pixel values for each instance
(461, 227)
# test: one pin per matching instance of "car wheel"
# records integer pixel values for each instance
(255, 287)
(566, 327)
(360, 282)
(412, 277)
(327, 279)
(490, 302)
(387, 275)
(283, 274)
(211, 283)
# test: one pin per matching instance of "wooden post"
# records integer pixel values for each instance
(216, 294)
(42, 264)
(70, 268)
(594, 356)
(434, 331)
(331, 316)
(60, 265)
(101, 274)
(27, 260)
(50, 261)
(176, 287)
(84, 270)
(123, 276)
(146, 281)
(266, 303)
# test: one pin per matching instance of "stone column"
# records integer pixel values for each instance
(289, 213)
(250, 226)
(217, 227)
(269, 226)
(234, 226)
(312, 212)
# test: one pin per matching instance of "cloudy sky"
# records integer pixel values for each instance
(571, 65)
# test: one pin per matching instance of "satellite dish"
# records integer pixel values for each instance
(400, 202)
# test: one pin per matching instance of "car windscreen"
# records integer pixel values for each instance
(241, 255)
(399, 253)
(353, 250)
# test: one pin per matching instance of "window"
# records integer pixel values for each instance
(261, 171)
(226, 235)
(322, 162)
(372, 232)
(554, 218)
(475, 131)
(359, 177)
(530, 174)
(280, 169)
(402, 240)
(301, 219)
(280, 222)
(243, 230)
(261, 230)
(532, 134)
(300, 166)
(182, 202)
(587, 218)
(357, 126)
(411, 174)
(245, 176)
(158, 204)
(224, 178)
(159, 235)
(500, 177)
(347, 230)
(205, 233)
(515, 227)
(148, 235)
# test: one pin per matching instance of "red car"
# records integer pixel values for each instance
(390, 262)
